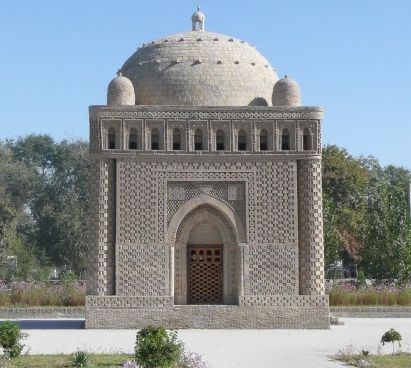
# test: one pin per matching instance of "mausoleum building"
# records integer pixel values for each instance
(206, 205)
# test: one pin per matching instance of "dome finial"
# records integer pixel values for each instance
(119, 74)
(198, 20)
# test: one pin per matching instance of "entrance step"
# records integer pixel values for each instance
(335, 321)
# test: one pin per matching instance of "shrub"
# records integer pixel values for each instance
(10, 337)
(157, 348)
(391, 336)
(68, 277)
(80, 359)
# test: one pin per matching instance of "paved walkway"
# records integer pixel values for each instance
(227, 348)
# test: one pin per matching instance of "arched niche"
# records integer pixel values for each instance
(206, 225)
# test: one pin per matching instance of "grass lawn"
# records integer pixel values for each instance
(59, 361)
(380, 361)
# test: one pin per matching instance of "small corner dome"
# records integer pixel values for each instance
(120, 91)
(286, 92)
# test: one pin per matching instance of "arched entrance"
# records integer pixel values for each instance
(206, 254)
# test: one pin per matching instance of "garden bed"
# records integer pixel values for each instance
(57, 361)
(38, 294)
(399, 360)
(349, 293)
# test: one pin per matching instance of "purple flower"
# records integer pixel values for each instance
(193, 360)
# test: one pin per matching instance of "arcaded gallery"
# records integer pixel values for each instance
(206, 205)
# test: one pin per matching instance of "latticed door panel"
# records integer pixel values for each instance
(205, 270)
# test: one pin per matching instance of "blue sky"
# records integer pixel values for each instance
(352, 57)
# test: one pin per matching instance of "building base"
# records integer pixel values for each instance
(108, 313)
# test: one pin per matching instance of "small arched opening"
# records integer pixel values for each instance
(242, 140)
(176, 139)
(307, 140)
(132, 139)
(220, 140)
(263, 140)
(111, 139)
(198, 140)
(285, 140)
(155, 139)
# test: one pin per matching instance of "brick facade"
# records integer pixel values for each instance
(265, 205)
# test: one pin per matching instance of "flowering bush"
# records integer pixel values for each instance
(192, 360)
(42, 293)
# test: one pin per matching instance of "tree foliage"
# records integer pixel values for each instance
(44, 201)
(366, 215)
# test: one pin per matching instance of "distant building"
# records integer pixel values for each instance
(206, 206)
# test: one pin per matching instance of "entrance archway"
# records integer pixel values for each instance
(206, 258)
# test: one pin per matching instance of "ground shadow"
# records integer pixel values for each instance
(42, 324)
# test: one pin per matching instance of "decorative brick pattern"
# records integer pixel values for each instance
(142, 270)
(272, 270)
(284, 301)
(276, 198)
(137, 202)
(197, 178)
(113, 302)
(102, 228)
(136, 112)
(231, 193)
(310, 230)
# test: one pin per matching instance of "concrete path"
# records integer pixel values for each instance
(227, 348)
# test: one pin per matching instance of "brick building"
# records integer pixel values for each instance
(206, 206)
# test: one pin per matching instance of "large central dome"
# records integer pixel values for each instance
(200, 68)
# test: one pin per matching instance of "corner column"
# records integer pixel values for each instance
(101, 269)
(310, 227)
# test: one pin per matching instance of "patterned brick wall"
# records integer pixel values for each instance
(143, 270)
(102, 228)
(271, 270)
(276, 202)
(310, 229)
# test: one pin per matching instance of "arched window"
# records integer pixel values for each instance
(263, 140)
(285, 140)
(307, 141)
(111, 138)
(176, 139)
(132, 139)
(242, 140)
(220, 140)
(155, 139)
(198, 140)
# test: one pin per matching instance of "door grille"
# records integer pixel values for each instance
(205, 274)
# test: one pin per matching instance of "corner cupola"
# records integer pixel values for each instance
(286, 92)
(120, 91)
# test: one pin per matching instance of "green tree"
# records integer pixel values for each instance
(388, 237)
(49, 193)
(344, 183)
